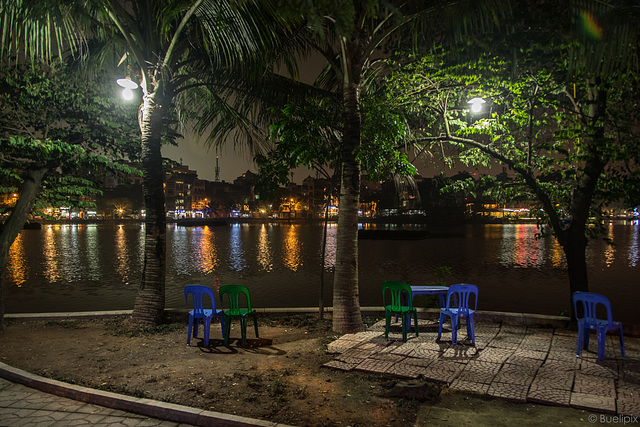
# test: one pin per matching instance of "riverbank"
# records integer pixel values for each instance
(279, 377)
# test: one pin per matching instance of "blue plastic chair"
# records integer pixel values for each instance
(199, 312)
(234, 293)
(462, 295)
(590, 321)
(397, 289)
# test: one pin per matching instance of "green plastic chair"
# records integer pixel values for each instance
(234, 294)
(396, 289)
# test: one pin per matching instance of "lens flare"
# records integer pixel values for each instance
(590, 26)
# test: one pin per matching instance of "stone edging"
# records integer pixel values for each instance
(146, 407)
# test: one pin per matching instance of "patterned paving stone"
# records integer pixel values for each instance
(515, 374)
(563, 355)
(517, 359)
(406, 370)
(539, 346)
(592, 385)
(549, 396)
(593, 402)
(628, 389)
(405, 349)
(375, 366)
(508, 391)
(606, 369)
(443, 371)
(395, 358)
(431, 346)
(629, 407)
(356, 353)
(477, 376)
(561, 364)
(495, 355)
(531, 354)
(341, 345)
(424, 362)
(477, 364)
(464, 385)
(460, 353)
(340, 365)
(511, 345)
(556, 382)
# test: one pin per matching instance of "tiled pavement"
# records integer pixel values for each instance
(519, 363)
(25, 406)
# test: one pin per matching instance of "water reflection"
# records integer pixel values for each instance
(92, 252)
(207, 252)
(123, 262)
(280, 263)
(265, 258)
(291, 249)
(17, 268)
(520, 248)
(330, 249)
(236, 253)
(50, 252)
(610, 251)
(633, 246)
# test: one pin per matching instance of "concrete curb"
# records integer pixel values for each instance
(146, 407)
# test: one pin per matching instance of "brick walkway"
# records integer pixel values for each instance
(519, 363)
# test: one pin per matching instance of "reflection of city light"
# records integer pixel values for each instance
(16, 268)
(291, 250)
(264, 249)
(236, 254)
(207, 251)
(633, 247)
(609, 252)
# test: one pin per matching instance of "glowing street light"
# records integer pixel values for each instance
(129, 86)
(476, 104)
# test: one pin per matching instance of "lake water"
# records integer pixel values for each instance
(68, 267)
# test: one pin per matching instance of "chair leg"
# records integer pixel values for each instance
(189, 331)
(454, 329)
(621, 341)
(404, 326)
(243, 329)
(207, 327)
(585, 338)
(195, 327)
(579, 344)
(602, 336)
(440, 325)
(222, 325)
(471, 332)
(387, 325)
(415, 320)
(255, 324)
(227, 323)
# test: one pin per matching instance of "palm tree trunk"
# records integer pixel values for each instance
(12, 227)
(148, 309)
(346, 298)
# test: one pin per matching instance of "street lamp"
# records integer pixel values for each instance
(129, 86)
(476, 104)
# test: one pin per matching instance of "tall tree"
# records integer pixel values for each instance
(173, 48)
(58, 131)
(566, 124)
(352, 37)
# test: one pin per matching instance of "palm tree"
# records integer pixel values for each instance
(351, 40)
(173, 48)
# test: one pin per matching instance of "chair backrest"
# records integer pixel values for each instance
(198, 292)
(590, 303)
(234, 292)
(396, 289)
(462, 293)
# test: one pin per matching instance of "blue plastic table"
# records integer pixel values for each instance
(429, 290)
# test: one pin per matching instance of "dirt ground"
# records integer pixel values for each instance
(278, 377)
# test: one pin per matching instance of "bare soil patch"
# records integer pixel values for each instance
(278, 377)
